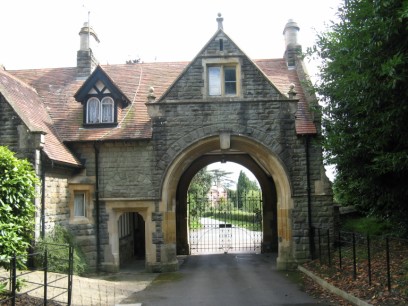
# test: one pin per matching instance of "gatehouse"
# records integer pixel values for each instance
(116, 147)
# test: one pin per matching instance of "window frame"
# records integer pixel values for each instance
(84, 206)
(110, 103)
(223, 64)
(88, 191)
(88, 110)
(102, 101)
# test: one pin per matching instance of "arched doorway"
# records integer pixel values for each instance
(266, 166)
(221, 235)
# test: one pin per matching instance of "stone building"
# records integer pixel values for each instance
(116, 146)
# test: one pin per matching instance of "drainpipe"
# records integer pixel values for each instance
(309, 199)
(42, 158)
(98, 240)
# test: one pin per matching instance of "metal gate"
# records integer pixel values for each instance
(226, 223)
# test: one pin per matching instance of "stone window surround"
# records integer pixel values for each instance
(230, 61)
(88, 190)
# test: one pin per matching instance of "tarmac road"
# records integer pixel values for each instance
(223, 279)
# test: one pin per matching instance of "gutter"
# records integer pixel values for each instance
(42, 158)
(309, 200)
(97, 210)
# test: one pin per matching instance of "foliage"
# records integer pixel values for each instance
(221, 178)
(245, 186)
(242, 219)
(201, 183)
(17, 192)
(252, 198)
(3, 288)
(363, 86)
(56, 242)
(352, 273)
(368, 225)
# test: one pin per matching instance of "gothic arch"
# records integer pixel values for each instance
(268, 160)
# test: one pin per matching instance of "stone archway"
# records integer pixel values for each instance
(115, 209)
(268, 162)
(270, 238)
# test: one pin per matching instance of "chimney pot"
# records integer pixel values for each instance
(86, 61)
(292, 48)
(291, 30)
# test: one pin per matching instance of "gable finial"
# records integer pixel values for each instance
(220, 20)
(151, 97)
(292, 92)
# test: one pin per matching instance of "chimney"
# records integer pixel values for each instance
(86, 61)
(292, 48)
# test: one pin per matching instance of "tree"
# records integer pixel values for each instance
(221, 178)
(17, 191)
(363, 86)
(201, 183)
(244, 186)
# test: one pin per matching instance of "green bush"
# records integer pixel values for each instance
(58, 254)
(368, 225)
(17, 192)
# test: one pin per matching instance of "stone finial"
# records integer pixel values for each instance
(150, 96)
(292, 92)
(219, 21)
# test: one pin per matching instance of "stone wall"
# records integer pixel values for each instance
(56, 199)
(125, 172)
(186, 115)
(124, 168)
(14, 134)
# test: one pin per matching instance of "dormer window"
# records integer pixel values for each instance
(102, 100)
(100, 111)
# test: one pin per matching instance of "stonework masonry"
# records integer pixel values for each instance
(144, 175)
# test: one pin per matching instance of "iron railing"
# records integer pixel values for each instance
(381, 260)
(38, 281)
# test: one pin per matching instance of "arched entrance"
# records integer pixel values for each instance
(264, 164)
(267, 208)
(129, 228)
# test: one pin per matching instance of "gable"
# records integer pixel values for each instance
(99, 83)
(23, 99)
(195, 82)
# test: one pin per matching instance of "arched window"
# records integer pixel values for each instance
(92, 111)
(100, 111)
(107, 109)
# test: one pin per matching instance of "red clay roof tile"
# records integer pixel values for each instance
(27, 103)
(56, 88)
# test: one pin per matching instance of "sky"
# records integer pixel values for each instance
(44, 33)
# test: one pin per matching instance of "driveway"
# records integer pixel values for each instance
(223, 279)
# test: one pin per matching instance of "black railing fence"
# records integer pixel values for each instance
(37, 281)
(382, 260)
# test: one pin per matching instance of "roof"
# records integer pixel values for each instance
(24, 99)
(279, 74)
(57, 87)
(51, 92)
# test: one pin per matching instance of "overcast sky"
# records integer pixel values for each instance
(44, 33)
